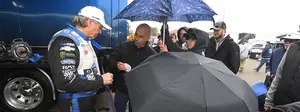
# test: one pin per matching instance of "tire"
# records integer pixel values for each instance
(17, 89)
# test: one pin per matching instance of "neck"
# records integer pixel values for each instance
(140, 46)
(221, 38)
(82, 30)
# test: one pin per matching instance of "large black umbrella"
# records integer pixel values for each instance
(292, 107)
(187, 82)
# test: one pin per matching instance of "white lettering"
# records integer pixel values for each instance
(68, 67)
(67, 48)
(90, 77)
(67, 61)
(67, 44)
(69, 74)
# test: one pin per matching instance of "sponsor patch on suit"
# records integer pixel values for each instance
(66, 67)
(67, 48)
(67, 61)
(67, 44)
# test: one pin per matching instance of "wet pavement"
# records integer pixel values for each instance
(251, 76)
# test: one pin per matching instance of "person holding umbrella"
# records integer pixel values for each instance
(127, 55)
(222, 47)
(196, 41)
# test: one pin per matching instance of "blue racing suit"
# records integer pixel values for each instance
(75, 70)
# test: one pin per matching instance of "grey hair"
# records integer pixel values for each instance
(80, 21)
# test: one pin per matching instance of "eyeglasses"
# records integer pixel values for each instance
(288, 41)
(100, 27)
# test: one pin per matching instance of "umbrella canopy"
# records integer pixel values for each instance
(174, 10)
(187, 82)
(292, 107)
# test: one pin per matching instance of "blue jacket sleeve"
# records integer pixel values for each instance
(269, 64)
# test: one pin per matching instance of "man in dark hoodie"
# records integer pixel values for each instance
(196, 41)
(223, 48)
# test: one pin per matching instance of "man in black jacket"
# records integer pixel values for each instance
(129, 53)
(223, 48)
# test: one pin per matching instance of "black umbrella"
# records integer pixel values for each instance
(187, 82)
(292, 107)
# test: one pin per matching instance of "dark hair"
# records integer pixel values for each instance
(159, 37)
(173, 35)
(268, 42)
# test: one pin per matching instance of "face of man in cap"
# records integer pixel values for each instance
(219, 33)
(93, 28)
(288, 43)
(219, 30)
(90, 22)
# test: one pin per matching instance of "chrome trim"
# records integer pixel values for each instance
(51, 82)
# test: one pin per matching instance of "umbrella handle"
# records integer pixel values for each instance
(164, 27)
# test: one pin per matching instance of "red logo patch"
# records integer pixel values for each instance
(86, 52)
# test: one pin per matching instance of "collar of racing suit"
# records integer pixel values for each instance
(68, 26)
(78, 32)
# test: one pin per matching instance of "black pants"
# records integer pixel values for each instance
(85, 104)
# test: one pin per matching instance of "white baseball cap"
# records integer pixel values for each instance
(294, 35)
(95, 14)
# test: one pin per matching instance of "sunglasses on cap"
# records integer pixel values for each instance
(190, 34)
(289, 40)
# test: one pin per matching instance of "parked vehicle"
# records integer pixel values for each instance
(26, 28)
(255, 52)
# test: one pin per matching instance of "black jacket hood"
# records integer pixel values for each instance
(202, 40)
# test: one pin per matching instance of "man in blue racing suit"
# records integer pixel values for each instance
(74, 64)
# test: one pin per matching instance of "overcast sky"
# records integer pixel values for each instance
(266, 18)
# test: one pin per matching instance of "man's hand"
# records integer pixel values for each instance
(107, 78)
(267, 108)
(121, 66)
(162, 47)
(268, 73)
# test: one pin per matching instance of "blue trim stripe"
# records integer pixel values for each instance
(75, 96)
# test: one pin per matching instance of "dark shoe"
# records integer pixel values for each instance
(240, 70)
(255, 69)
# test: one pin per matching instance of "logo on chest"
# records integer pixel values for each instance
(86, 52)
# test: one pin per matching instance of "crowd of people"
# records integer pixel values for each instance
(78, 78)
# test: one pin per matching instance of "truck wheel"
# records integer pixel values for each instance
(26, 91)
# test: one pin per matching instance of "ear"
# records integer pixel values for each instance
(89, 21)
(224, 30)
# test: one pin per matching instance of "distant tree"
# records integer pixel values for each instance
(129, 32)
